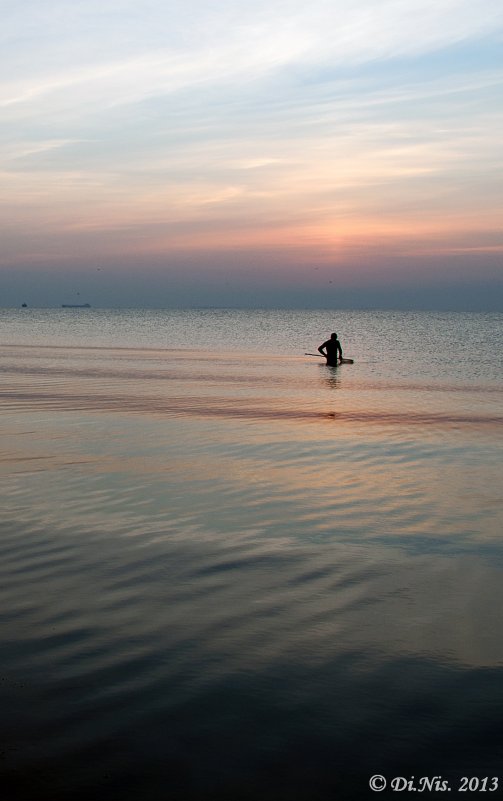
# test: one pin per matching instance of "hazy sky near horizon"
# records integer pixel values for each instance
(342, 152)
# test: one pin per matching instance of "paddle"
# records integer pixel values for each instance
(342, 361)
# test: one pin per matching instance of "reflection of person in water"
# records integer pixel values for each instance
(332, 350)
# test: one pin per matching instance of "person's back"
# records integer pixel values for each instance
(332, 350)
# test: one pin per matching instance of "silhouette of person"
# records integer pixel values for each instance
(332, 350)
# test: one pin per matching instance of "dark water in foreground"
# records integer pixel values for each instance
(229, 572)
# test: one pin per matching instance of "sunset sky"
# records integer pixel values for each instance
(266, 153)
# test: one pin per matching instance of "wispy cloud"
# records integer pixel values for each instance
(121, 52)
(276, 124)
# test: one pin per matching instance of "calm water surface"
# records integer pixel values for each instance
(231, 572)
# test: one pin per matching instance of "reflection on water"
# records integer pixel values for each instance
(236, 576)
(209, 666)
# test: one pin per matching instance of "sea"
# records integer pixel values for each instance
(229, 572)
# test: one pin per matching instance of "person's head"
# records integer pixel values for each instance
(333, 336)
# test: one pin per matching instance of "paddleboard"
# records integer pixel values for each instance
(342, 361)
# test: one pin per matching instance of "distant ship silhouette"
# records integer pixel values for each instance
(75, 305)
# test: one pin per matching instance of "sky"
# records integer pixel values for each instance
(330, 154)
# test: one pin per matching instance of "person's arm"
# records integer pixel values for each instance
(340, 351)
(323, 353)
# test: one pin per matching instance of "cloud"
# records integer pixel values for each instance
(120, 52)
(277, 127)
